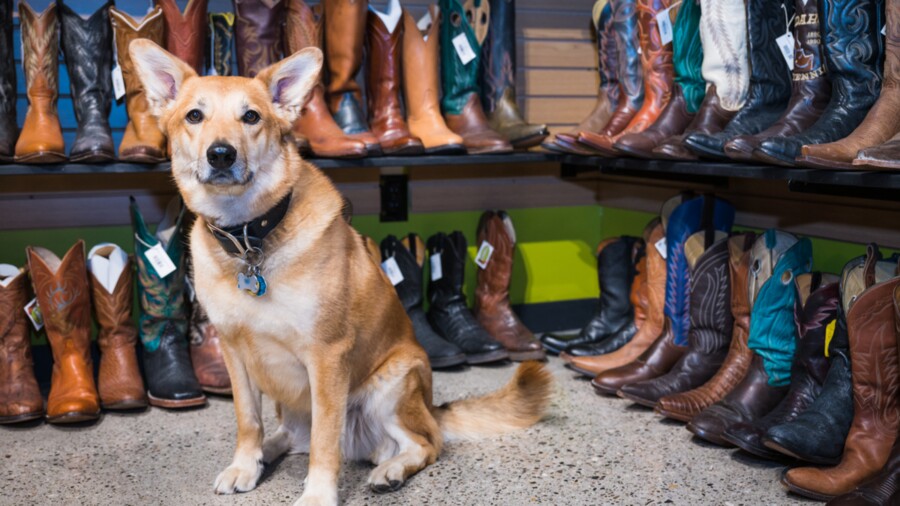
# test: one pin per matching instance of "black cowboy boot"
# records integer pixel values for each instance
(9, 130)
(222, 32)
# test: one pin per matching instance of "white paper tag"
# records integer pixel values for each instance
(661, 248)
(884, 30)
(160, 261)
(424, 22)
(437, 272)
(664, 22)
(463, 49)
(786, 44)
(118, 82)
(392, 270)
(484, 254)
(33, 311)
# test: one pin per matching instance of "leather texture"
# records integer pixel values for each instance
(186, 35)
(142, 142)
(40, 140)
(422, 86)
(257, 34)
(881, 489)
(222, 32)
(687, 55)
(653, 362)
(447, 311)
(726, 56)
(710, 118)
(345, 27)
(383, 82)
(61, 288)
(9, 130)
(672, 121)
(472, 125)
(20, 397)
(87, 47)
(206, 348)
(302, 29)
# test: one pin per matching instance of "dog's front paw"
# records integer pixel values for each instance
(238, 477)
(313, 497)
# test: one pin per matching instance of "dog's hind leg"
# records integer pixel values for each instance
(293, 433)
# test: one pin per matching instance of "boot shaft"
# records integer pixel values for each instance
(739, 248)
(607, 51)
(345, 30)
(453, 254)
(726, 63)
(499, 54)
(62, 291)
(8, 67)
(891, 71)
(257, 34)
(496, 229)
(13, 297)
(459, 80)
(410, 257)
(421, 54)
(40, 54)
(815, 310)
(302, 26)
(112, 290)
(710, 316)
(222, 32)
(687, 55)
(87, 47)
(186, 31)
(152, 27)
(616, 270)
(809, 51)
(383, 48)
(770, 76)
(853, 46)
(656, 58)
(630, 72)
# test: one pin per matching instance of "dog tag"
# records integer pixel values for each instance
(437, 271)
(664, 22)
(661, 247)
(118, 82)
(33, 311)
(392, 270)
(254, 284)
(160, 261)
(463, 49)
(484, 254)
(786, 45)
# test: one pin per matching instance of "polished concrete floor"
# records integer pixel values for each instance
(589, 450)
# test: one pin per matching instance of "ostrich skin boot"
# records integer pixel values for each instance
(684, 406)
(384, 37)
(492, 308)
(316, 125)
(20, 397)
(206, 349)
(257, 34)
(422, 86)
(143, 142)
(9, 130)
(40, 140)
(61, 287)
(87, 46)
(112, 290)
(499, 79)
(186, 31)
(222, 32)
(770, 79)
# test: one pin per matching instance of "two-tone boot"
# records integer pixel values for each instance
(61, 288)
(9, 130)
(497, 243)
(499, 79)
(257, 34)
(163, 325)
(221, 30)
(40, 140)
(410, 257)
(186, 31)
(142, 142)
(460, 79)
(112, 291)
(447, 311)
(20, 397)
(206, 348)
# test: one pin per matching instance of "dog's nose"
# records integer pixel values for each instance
(221, 155)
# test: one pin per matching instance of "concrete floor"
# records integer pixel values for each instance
(590, 450)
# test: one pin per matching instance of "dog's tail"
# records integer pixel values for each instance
(519, 404)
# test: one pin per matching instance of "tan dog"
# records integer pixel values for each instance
(329, 342)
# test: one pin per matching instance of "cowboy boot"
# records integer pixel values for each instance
(384, 35)
(658, 75)
(447, 312)
(186, 31)
(883, 488)
(689, 88)
(221, 30)
(616, 273)
(686, 405)
(206, 350)
(460, 80)
(163, 328)
(61, 288)
(776, 258)
(492, 309)
(257, 34)
(876, 385)
(143, 142)
(112, 291)
(810, 89)
(499, 79)
(410, 257)
(608, 91)
(770, 80)
(815, 309)
(41, 138)
(20, 398)
(303, 29)
(422, 86)
(9, 130)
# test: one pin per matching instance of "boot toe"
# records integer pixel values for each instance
(554, 344)
(741, 147)
(812, 482)
(780, 150)
(748, 437)
(712, 146)
(73, 410)
(644, 393)
(639, 145)
(711, 424)
(674, 151)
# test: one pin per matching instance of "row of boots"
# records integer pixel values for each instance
(787, 82)
(180, 355)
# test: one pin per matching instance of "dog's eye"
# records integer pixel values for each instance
(250, 117)
(194, 116)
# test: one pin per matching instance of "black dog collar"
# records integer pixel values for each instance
(238, 239)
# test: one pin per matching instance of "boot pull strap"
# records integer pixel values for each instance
(709, 210)
(873, 255)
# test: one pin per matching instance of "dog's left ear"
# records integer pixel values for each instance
(291, 80)
(161, 73)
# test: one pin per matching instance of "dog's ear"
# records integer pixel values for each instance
(160, 72)
(291, 80)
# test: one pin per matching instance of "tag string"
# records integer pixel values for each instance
(138, 239)
(786, 20)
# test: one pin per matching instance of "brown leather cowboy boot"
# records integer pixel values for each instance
(495, 230)
(20, 398)
(303, 29)
(142, 142)
(186, 32)
(41, 138)
(112, 287)
(423, 88)
(384, 34)
(62, 291)
(257, 34)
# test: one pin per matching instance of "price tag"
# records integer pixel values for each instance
(664, 22)
(160, 261)
(786, 44)
(437, 272)
(33, 311)
(424, 22)
(118, 82)
(484, 254)
(884, 30)
(463, 49)
(392, 270)
(661, 248)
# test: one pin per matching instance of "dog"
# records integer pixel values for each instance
(315, 324)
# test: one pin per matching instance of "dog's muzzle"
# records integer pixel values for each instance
(222, 167)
